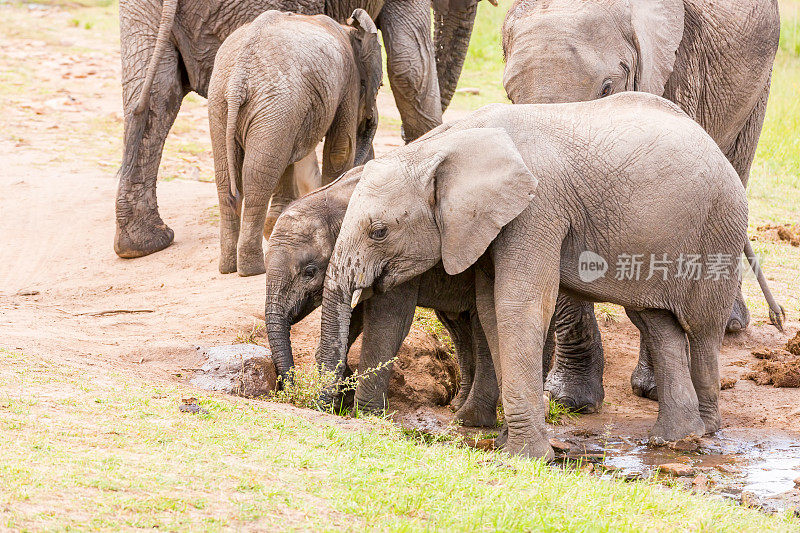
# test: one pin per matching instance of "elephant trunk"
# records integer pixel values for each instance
(335, 329)
(452, 31)
(278, 322)
(366, 133)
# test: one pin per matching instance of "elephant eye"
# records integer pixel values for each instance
(310, 271)
(377, 232)
(606, 90)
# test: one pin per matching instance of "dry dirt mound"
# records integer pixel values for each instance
(776, 367)
(781, 232)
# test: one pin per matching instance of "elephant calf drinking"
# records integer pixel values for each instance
(297, 257)
(280, 84)
(529, 194)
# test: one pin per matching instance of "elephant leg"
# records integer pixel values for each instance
(704, 352)
(299, 178)
(643, 380)
(460, 331)
(387, 321)
(140, 230)
(307, 176)
(576, 380)
(261, 171)
(741, 156)
(480, 409)
(411, 65)
(678, 409)
(285, 193)
(230, 206)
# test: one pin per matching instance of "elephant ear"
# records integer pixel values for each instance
(658, 30)
(480, 184)
(367, 53)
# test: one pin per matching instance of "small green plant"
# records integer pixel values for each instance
(254, 336)
(559, 415)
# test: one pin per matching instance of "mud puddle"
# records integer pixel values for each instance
(755, 471)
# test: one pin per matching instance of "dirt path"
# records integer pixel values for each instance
(65, 295)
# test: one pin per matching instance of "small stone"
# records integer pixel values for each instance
(676, 469)
(240, 369)
(486, 445)
(700, 483)
(587, 468)
(797, 483)
(559, 446)
(728, 469)
(749, 499)
(727, 383)
(689, 444)
(27, 292)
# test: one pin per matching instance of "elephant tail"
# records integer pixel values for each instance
(135, 132)
(776, 312)
(168, 10)
(234, 102)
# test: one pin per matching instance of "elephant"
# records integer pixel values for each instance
(168, 49)
(713, 58)
(280, 84)
(526, 194)
(296, 260)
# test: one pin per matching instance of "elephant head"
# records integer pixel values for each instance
(442, 198)
(578, 50)
(296, 260)
(367, 52)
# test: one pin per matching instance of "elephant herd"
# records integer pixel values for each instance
(628, 146)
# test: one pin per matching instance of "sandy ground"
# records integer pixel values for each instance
(66, 296)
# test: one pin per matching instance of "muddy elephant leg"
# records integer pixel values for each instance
(678, 409)
(140, 230)
(704, 353)
(480, 408)
(230, 205)
(460, 330)
(387, 321)
(576, 379)
(411, 64)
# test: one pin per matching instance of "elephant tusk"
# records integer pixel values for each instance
(361, 295)
(356, 298)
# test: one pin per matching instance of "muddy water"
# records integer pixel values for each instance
(759, 470)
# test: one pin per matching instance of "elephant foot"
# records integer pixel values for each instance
(369, 406)
(143, 236)
(668, 429)
(460, 399)
(250, 264)
(711, 420)
(740, 317)
(474, 414)
(533, 448)
(227, 264)
(578, 391)
(643, 382)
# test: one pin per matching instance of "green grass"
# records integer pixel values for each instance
(100, 450)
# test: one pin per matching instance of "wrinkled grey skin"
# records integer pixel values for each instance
(712, 58)
(280, 84)
(521, 191)
(297, 258)
(168, 51)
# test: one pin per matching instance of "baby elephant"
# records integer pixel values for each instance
(280, 84)
(296, 259)
(624, 200)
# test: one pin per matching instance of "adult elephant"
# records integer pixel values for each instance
(168, 50)
(711, 57)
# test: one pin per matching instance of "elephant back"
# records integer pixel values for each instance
(341, 10)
